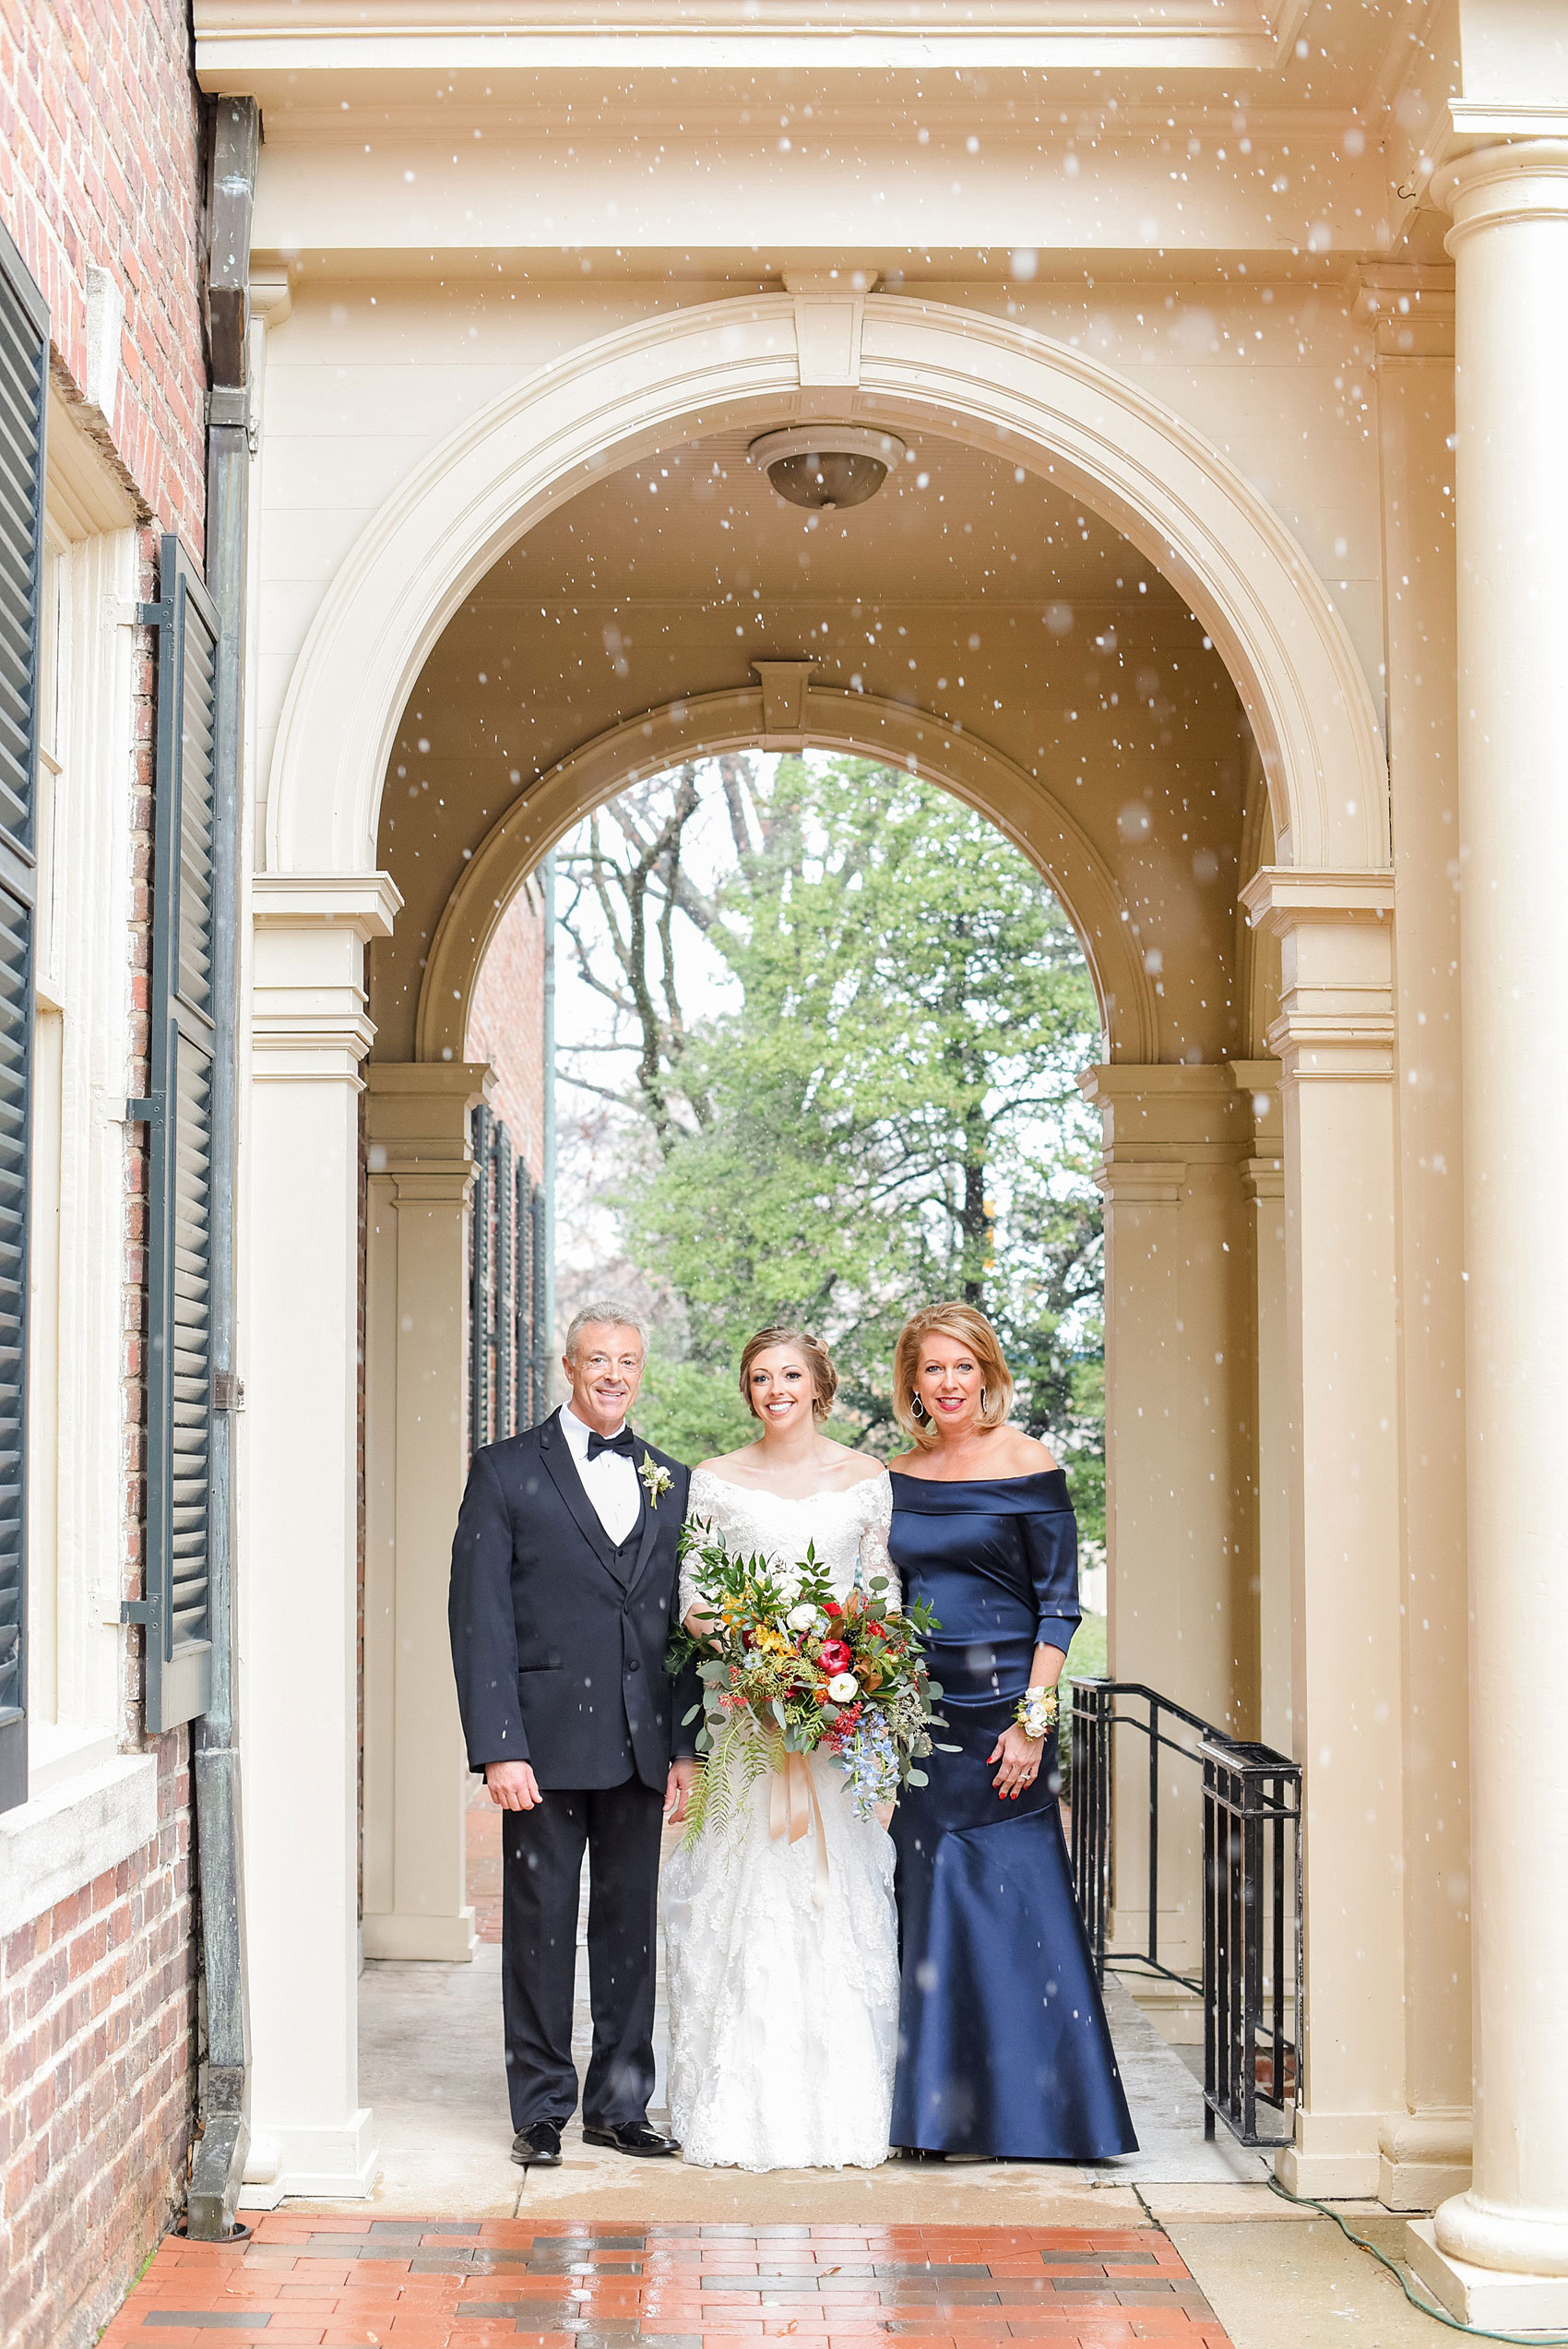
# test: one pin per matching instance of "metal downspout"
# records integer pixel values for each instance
(217, 2165)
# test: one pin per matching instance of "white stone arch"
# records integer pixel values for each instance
(765, 359)
(789, 711)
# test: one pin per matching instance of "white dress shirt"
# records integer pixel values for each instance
(610, 1480)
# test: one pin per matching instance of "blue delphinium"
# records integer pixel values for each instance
(869, 1761)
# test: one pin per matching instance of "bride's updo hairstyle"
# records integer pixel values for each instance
(967, 1326)
(812, 1353)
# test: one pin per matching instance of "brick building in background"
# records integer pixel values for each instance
(102, 146)
(507, 1026)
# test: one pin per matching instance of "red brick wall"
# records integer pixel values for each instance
(98, 2004)
(506, 1022)
(100, 161)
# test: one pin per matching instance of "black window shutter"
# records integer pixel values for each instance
(540, 1335)
(176, 1611)
(503, 1191)
(24, 382)
(522, 1316)
(480, 1274)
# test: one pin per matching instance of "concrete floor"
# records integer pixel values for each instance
(432, 2070)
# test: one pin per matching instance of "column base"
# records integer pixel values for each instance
(1175, 2011)
(319, 2164)
(1422, 2159)
(451, 1940)
(1486, 2296)
(1334, 2159)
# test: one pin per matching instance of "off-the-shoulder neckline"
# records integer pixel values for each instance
(952, 1484)
(827, 1492)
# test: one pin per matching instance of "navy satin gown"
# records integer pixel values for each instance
(1002, 2043)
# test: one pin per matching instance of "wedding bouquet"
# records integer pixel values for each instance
(787, 1667)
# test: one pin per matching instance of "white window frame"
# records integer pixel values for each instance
(78, 1423)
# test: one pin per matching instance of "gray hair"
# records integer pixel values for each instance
(613, 1309)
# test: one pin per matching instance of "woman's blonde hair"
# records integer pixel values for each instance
(818, 1361)
(970, 1327)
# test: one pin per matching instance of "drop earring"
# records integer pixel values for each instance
(982, 1399)
(917, 1409)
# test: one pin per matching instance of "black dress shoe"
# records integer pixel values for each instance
(637, 2138)
(538, 2147)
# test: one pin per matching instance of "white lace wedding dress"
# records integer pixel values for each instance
(784, 2014)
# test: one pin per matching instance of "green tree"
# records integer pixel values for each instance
(890, 1115)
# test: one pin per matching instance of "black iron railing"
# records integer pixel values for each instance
(1252, 1936)
(1250, 1977)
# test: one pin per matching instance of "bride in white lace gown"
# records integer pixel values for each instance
(784, 2014)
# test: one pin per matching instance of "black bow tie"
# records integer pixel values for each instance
(623, 1443)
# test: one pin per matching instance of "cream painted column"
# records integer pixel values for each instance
(1178, 1453)
(310, 2134)
(1263, 1187)
(1334, 1041)
(1426, 2142)
(1510, 248)
(416, 1776)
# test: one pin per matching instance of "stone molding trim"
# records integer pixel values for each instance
(246, 45)
(1017, 803)
(735, 365)
(73, 1833)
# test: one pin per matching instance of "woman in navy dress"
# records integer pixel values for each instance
(1004, 2051)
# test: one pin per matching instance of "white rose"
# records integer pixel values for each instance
(801, 1619)
(843, 1688)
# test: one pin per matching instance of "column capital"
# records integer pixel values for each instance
(417, 1123)
(271, 298)
(308, 1015)
(1408, 306)
(1337, 936)
(1261, 1081)
(1179, 1110)
(364, 905)
(1511, 164)
(1280, 897)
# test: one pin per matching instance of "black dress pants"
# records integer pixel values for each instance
(543, 1850)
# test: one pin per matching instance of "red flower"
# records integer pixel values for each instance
(834, 1656)
(831, 1607)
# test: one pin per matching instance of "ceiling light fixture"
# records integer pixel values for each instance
(826, 466)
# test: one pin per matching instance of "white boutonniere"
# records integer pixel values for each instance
(656, 1480)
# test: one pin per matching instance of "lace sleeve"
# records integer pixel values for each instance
(874, 1554)
(703, 1511)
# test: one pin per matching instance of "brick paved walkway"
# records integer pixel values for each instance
(311, 2282)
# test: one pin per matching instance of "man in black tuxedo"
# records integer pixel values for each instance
(564, 1589)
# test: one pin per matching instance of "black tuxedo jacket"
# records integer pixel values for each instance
(559, 1649)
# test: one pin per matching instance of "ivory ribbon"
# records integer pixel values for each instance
(792, 1808)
